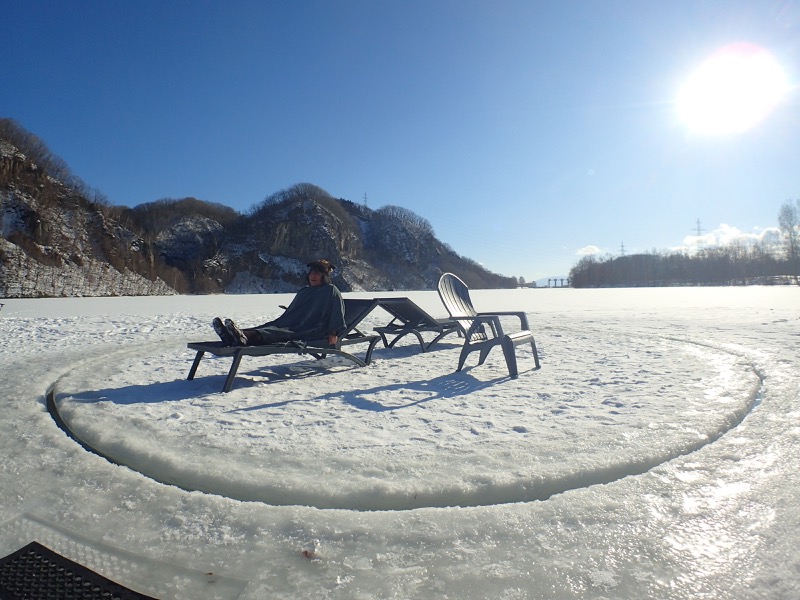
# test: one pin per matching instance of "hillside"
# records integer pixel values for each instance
(61, 238)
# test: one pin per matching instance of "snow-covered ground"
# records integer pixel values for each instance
(654, 454)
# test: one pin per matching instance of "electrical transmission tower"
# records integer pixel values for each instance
(699, 232)
(699, 229)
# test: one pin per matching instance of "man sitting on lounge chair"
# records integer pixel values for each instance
(316, 312)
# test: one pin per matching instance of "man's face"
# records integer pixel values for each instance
(315, 278)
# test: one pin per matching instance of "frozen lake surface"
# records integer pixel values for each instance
(654, 454)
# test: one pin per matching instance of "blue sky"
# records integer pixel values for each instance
(526, 132)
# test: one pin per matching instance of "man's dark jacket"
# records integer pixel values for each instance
(315, 313)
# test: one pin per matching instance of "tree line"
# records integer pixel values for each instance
(735, 264)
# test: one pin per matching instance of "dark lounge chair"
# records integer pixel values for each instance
(355, 310)
(36, 571)
(408, 318)
(483, 330)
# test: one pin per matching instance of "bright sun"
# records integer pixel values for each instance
(732, 91)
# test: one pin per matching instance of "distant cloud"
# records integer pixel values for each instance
(727, 235)
(588, 250)
(723, 235)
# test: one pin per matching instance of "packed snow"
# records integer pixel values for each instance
(653, 455)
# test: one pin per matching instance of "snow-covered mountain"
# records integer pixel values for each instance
(59, 238)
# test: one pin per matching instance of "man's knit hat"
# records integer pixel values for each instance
(323, 264)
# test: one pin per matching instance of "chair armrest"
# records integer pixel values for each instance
(493, 320)
(523, 318)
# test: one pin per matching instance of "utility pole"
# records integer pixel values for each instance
(622, 249)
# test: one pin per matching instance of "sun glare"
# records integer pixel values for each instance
(732, 91)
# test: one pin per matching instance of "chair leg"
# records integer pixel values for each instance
(511, 357)
(195, 364)
(237, 358)
(437, 338)
(535, 353)
(484, 353)
(463, 357)
(402, 335)
(370, 349)
(419, 339)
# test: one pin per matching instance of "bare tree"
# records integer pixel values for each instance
(789, 222)
(407, 216)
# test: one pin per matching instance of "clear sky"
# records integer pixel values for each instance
(525, 132)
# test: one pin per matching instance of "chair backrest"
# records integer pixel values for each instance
(455, 297)
(406, 311)
(355, 309)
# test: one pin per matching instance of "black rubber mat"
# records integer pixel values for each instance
(37, 573)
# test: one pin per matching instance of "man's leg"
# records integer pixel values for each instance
(268, 335)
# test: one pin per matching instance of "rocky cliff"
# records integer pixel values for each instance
(55, 242)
